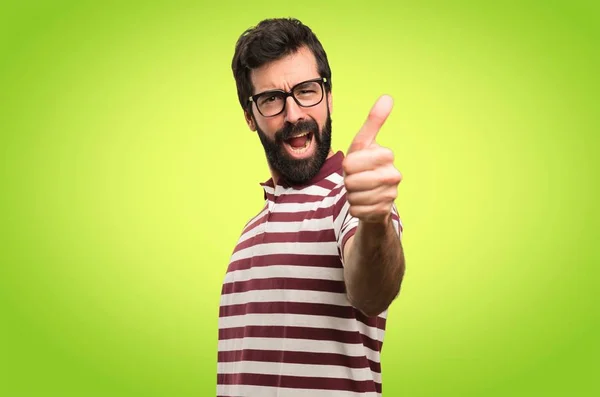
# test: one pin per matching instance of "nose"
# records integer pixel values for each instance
(293, 112)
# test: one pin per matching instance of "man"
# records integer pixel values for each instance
(306, 293)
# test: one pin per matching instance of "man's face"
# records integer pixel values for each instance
(298, 140)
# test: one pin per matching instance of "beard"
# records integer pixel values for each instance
(297, 171)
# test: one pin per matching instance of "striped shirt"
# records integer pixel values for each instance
(286, 327)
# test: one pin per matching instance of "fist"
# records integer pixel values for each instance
(370, 177)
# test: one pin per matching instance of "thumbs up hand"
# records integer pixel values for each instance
(370, 178)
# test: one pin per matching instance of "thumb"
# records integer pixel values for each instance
(377, 116)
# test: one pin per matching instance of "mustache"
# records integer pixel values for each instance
(289, 129)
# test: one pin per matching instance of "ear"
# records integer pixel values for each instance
(330, 101)
(250, 120)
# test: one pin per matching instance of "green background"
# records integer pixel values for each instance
(127, 173)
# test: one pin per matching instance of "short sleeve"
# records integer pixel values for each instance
(345, 225)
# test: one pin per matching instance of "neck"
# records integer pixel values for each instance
(274, 175)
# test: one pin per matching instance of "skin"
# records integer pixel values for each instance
(284, 74)
(374, 259)
(374, 266)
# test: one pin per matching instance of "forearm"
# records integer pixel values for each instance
(374, 267)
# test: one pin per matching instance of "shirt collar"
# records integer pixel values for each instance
(331, 165)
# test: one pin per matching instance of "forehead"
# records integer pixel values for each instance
(286, 72)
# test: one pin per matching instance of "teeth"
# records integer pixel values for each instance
(300, 135)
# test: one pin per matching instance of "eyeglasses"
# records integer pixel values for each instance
(306, 94)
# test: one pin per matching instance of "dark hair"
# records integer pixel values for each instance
(270, 40)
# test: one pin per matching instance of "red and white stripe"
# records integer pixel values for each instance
(286, 327)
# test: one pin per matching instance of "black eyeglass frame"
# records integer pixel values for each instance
(286, 94)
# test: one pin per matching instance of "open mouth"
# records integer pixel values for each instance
(299, 144)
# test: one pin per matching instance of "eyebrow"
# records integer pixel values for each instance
(281, 89)
(269, 90)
